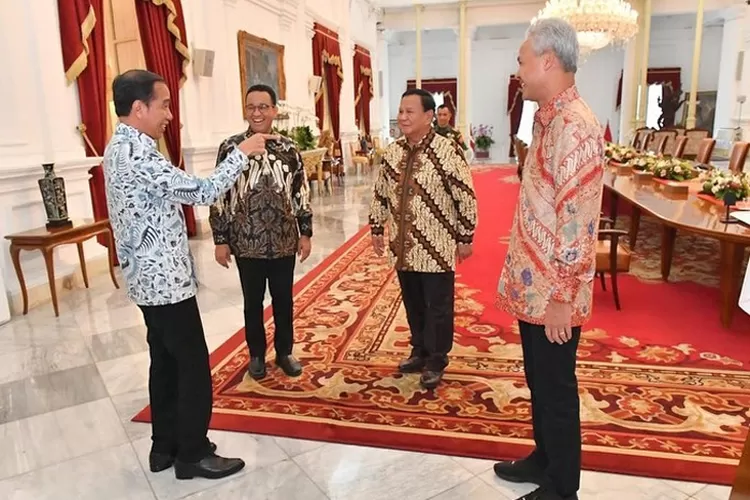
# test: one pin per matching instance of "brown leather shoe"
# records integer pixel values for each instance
(430, 379)
(414, 364)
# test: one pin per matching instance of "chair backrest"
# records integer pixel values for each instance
(738, 156)
(679, 146)
(705, 150)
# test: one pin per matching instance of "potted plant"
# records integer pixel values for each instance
(483, 141)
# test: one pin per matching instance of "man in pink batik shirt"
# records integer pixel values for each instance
(547, 279)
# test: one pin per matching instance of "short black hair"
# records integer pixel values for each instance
(133, 85)
(444, 106)
(261, 87)
(428, 102)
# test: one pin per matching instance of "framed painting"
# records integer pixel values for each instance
(261, 61)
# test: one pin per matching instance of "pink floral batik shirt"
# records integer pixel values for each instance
(552, 250)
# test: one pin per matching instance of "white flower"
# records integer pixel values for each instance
(677, 169)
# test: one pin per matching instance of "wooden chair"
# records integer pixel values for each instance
(358, 159)
(738, 157)
(679, 146)
(705, 150)
(522, 150)
(611, 257)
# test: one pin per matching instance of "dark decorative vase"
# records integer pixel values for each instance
(53, 195)
(482, 154)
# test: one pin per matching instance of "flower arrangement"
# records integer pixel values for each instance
(644, 162)
(674, 169)
(482, 134)
(718, 183)
(619, 154)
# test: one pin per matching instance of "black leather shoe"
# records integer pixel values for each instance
(520, 471)
(414, 364)
(289, 365)
(430, 379)
(257, 368)
(211, 467)
(158, 462)
(543, 493)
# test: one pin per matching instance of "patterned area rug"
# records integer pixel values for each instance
(664, 388)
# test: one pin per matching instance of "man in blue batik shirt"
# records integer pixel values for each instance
(145, 194)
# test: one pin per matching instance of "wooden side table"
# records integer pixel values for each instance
(46, 240)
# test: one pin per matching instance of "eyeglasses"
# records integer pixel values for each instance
(263, 108)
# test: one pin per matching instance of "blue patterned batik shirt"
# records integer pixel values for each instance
(145, 194)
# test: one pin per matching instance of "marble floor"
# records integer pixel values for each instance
(69, 386)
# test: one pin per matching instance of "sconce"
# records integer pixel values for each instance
(314, 83)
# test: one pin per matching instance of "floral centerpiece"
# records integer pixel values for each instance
(717, 183)
(619, 154)
(674, 169)
(483, 140)
(644, 162)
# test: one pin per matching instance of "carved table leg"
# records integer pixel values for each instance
(111, 255)
(82, 260)
(732, 255)
(15, 255)
(668, 235)
(48, 254)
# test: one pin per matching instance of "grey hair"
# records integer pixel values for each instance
(559, 37)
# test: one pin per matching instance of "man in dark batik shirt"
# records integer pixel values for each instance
(264, 220)
(444, 128)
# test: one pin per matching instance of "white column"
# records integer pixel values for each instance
(384, 90)
(39, 120)
(692, 100)
(643, 75)
(418, 27)
(732, 43)
(464, 70)
(348, 124)
(629, 92)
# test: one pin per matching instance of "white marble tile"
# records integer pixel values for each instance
(713, 492)
(128, 404)
(473, 489)
(686, 487)
(118, 343)
(256, 451)
(41, 359)
(222, 321)
(52, 391)
(505, 488)
(604, 486)
(281, 481)
(358, 473)
(57, 436)
(94, 319)
(39, 328)
(474, 465)
(111, 474)
(294, 447)
(126, 374)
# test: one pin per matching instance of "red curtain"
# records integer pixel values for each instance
(515, 109)
(84, 61)
(162, 27)
(327, 63)
(446, 86)
(363, 89)
(670, 77)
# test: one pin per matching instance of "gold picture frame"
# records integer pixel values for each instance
(261, 61)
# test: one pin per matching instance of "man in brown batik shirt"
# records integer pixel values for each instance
(264, 220)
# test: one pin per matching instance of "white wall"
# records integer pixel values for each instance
(493, 60)
(39, 119)
(213, 106)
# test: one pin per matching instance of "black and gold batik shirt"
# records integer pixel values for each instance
(266, 211)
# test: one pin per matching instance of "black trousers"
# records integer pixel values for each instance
(551, 377)
(279, 273)
(428, 300)
(179, 380)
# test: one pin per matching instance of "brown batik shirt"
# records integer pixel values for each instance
(425, 194)
(266, 211)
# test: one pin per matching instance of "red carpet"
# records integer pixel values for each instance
(664, 388)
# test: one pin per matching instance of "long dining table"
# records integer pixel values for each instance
(684, 212)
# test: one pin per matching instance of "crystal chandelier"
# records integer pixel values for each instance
(598, 22)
